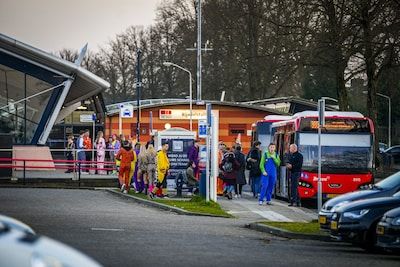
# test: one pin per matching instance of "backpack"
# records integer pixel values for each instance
(228, 166)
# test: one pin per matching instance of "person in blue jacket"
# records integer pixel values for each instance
(269, 164)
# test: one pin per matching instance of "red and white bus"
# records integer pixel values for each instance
(347, 142)
(261, 130)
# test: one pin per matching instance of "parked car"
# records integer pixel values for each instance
(382, 147)
(18, 225)
(391, 155)
(385, 188)
(388, 230)
(356, 222)
(21, 249)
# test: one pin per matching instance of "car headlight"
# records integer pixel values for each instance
(334, 208)
(396, 221)
(356, 214)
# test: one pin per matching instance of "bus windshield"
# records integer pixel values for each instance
(341, 153)
(337, 159)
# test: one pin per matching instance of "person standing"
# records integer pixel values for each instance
(162, 168)
(295, 164)
(240, 177)
(87, 144)
(229, 167)
(142, 168)
(151, 155)
(269, 164)
(101, 152)
(253, 164)
(115, 146)
(137, 182)
(126, 157)
(193, 156)
(70, 153)
(81, 151)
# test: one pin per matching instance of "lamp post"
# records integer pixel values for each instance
(167, 64)
(390, 116)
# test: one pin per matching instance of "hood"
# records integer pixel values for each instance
(370, 203)
(393, 213)
(353, 196)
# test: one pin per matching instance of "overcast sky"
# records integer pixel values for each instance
(55, 24)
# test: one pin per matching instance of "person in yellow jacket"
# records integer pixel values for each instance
(162, 168)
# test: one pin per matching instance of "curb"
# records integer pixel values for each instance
(286, 234)
(162, 206)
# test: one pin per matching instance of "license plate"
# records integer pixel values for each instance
(322, 219)
(334, 225)
(380, 230)
(331, 195)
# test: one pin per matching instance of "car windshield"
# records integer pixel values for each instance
(389, 182)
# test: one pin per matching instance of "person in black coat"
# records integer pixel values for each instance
(240, 176)
(253, 164)
(295, 164)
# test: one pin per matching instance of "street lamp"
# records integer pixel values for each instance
(390, 116)
(168, 64)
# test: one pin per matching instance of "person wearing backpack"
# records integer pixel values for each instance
(253, 165)
(229, 167)
(269, 164)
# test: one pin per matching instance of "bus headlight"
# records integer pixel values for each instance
(305, 184)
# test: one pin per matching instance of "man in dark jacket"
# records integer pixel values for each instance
(241, 177)
(253, 164)
(193, 156)
(295, 163)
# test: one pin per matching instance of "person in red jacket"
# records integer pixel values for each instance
(126, 157)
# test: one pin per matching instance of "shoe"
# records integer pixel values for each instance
(290, 205)
(137, 192)
(151, 195)
(189, 194)
(240, 195)
(269, 203)
(125, 192)
(123, 187)
(236, 196)
(229, 196)
(260, 203)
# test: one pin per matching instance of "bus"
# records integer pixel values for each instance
(347, 146)
(261, 130)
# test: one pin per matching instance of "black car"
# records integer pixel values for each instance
(385, 188)
(388, 230)
(391, 156)
(356, 222)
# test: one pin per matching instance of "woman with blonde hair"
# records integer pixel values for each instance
(151, 156)
(101, 152)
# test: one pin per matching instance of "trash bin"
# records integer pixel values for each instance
(202, 184)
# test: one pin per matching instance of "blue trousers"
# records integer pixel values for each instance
(267, 187)
(255, 185)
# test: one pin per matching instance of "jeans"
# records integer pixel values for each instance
(229, 188)
(255, 185)
(294, 183)
(267, 187)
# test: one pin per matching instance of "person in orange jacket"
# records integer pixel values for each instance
(126, 157)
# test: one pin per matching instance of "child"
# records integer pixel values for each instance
(125, 156)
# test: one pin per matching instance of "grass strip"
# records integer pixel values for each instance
(297, 227)
(195, 204)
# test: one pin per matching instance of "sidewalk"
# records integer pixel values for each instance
(247, 209)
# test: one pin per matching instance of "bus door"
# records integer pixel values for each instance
(280, 186)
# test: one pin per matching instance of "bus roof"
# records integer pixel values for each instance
(274, 118)
(340, 114)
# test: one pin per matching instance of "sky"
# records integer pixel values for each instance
(55, 24)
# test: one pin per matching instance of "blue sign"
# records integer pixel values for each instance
(202, 128)
(93, 117)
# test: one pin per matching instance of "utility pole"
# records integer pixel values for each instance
(138, 94)
(198, 50)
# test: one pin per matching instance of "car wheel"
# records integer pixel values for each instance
(370, 239)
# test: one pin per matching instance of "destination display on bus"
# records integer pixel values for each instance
(338, 125)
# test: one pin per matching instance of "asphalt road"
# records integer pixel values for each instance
(117, 232)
